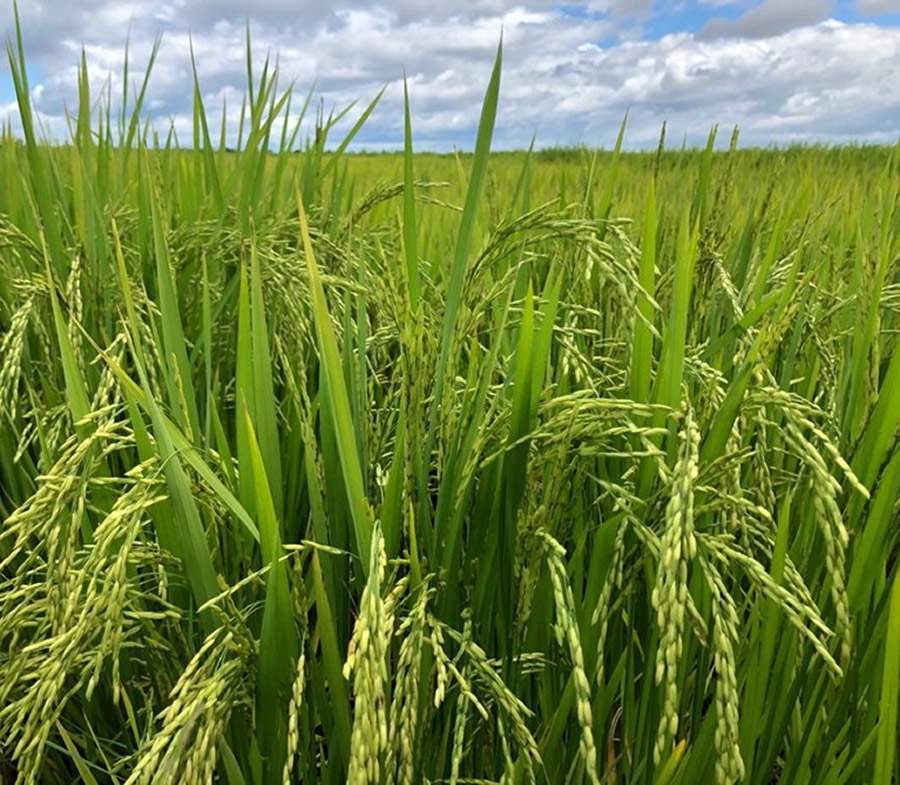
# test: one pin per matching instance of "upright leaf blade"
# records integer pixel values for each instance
(338, 400)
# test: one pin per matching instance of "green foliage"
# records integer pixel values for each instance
(558, 466)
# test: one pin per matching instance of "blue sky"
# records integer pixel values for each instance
(785, 71)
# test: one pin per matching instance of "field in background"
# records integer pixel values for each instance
(552, 468)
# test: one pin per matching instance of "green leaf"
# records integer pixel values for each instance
(886, 747)
(466, 230)
(642, 346)
(338, 400)
(410, 249)
(278, 643)
(177, 369)
(265, 405)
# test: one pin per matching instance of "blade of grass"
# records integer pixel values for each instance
(337, 399)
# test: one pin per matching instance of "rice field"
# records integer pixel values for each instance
(568, 466)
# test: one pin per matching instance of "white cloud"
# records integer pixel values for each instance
(567, 76)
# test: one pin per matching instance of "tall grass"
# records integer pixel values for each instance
(571, 468)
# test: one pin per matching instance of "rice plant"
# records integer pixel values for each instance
(565, 467)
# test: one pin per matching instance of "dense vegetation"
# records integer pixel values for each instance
(541, 468)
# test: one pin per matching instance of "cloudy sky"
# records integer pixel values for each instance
(783, 70)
